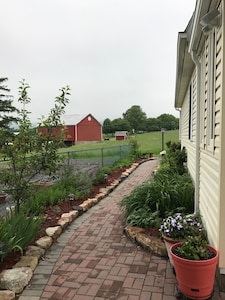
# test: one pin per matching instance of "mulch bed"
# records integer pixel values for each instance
(53, 214)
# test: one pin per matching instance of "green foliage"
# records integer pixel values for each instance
(168, 121)
(123, 162)
(31, 153)
(80, 185)
(107, 126)
(143, 218)
(135, 153)
(176, 157)
(136, 118)
(194, 248)
(101, 175)
(6, 108)
(119, 124)
(164, 193)
(17, 231)
(137, 199)
(172, 191)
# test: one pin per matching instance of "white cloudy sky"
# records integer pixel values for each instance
(112, 53)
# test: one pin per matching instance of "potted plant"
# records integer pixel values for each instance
(195, 266)
(177, 227)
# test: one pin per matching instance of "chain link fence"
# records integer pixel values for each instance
(77, 160)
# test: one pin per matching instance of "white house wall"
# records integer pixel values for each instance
(210, 174)
(189, 144)
(209, 199)
(209, 165)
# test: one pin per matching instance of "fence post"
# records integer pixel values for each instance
(102, 157)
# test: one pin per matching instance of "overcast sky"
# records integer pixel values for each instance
(112, 53)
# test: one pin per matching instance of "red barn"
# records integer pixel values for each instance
(80, 128)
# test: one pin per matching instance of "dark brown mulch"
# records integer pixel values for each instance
(53, 214)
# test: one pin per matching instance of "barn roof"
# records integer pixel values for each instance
(74, 119)
(121, 133)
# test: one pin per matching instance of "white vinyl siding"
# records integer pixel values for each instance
(211, 92)
(209, 200)
(208, 195)
(188, 125)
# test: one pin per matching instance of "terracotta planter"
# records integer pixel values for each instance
(195, 277)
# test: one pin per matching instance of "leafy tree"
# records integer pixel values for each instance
(32, 153)
(107, 126)
(120, 124)
(168, 122)
(153, 124)
(136, 117)
(6, 107)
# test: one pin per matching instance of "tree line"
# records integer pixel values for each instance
(135, 120)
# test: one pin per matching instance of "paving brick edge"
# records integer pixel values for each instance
(67, 219)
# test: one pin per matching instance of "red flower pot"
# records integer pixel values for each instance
(195, 277)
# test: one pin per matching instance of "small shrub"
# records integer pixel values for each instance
(176, 157)
(17, 231)
(135, 153)
(100, 175)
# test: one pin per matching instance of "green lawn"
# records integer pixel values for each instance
(148, 142)
(152, 141)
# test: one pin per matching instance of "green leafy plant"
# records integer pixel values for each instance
(17, 231)
(100, 175)
(144, 218)
(29, 152)
(173, 190)
(167, 191)
(177, 157)
(194, 248)
(137, 199)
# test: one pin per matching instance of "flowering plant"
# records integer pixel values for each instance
(179, 227)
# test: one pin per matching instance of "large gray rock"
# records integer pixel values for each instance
(15, 279)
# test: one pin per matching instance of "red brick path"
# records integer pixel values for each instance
(94, 260)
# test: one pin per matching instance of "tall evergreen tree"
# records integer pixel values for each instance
(6, 107)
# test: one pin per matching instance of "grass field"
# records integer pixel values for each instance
(148, 142)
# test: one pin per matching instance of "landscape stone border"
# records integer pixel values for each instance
(13, 281)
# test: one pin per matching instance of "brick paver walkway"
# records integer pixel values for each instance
(94, 260)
